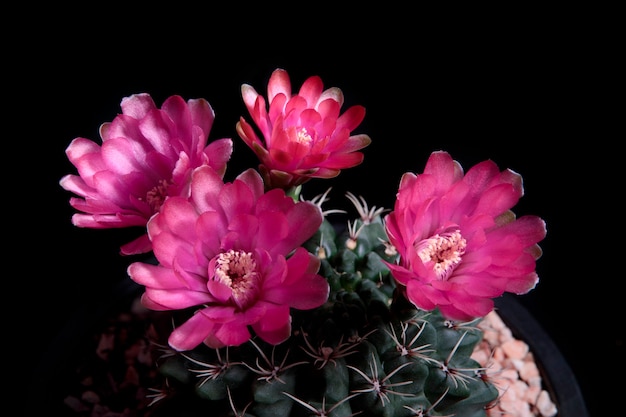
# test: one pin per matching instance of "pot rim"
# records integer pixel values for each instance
(557, 376)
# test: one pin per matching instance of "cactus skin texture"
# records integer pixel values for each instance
(366, 352)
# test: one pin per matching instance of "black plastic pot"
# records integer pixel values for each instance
(557, 376)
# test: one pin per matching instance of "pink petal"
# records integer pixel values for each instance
(232, 333)
(191, 333)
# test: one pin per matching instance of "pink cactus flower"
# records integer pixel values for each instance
(147, 155)
(235, 253)
(303, 136)
(459, 243)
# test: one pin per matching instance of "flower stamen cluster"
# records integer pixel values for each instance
(157, 195)
(442, 251)
(238, 270)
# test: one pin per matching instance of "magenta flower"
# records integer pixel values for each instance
(303, 136)
(460, 246)
(233, 252)
(147, 155)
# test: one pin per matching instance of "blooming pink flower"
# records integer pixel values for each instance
(147, 154)
(303, 135)
(460, 246)
(233, 252)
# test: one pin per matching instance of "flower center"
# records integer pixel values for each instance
(444, 251)
(157, 195)
(303, 137)
(238, 270)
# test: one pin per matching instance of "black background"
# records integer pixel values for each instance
(523, 93)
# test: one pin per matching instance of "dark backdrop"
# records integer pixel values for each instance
(516, 96)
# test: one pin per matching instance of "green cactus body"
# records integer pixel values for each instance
(366, 352)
